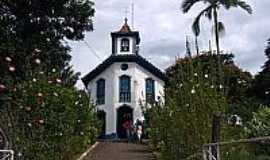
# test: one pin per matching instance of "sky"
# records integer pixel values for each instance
(163, 30)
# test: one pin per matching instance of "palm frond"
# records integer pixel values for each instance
(212, 2)
(244, 6)
(208, 13)
(221, 29)
(196, 24)
(236, 3)
(227, 3)
(196, 27)
(187, 4)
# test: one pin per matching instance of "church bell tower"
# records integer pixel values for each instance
(125, 41)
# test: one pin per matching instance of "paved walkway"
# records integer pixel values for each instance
(120, 151)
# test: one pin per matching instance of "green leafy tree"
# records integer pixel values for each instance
(26, 26)
(261, 86)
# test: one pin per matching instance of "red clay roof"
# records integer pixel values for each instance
(125, 28)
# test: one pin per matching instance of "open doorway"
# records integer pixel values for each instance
(124, 114)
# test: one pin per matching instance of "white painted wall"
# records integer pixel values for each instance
(111, 75)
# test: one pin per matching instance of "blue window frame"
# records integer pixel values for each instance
(125, 89)
(150, 90)
(100, 91)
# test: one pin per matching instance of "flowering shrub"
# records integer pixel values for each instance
(195, 93)
(43, 118)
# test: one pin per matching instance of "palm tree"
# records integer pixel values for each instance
(211, 11)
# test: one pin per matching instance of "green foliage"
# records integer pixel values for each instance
(261, 85)
(179, 128)
(44, 25)
(46, 120)
(236, 154)
(194, 94)
(54, 19)
(236, 83)
(41, 111)
(259, 126)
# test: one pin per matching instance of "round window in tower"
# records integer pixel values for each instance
(124, 67)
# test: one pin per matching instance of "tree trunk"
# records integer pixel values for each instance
(216, 29)
(217, 118)
(216, 134)
(197, 45)
(219, 78)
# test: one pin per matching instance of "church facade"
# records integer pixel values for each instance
(121, 84)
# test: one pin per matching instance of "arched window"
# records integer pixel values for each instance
(125, 90)
(125, 45)
(100, 91)
(150, 90)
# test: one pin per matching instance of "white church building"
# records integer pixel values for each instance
(123, 82)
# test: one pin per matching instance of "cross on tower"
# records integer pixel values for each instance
(126, 12)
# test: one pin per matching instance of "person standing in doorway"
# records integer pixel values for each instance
(129, 128)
